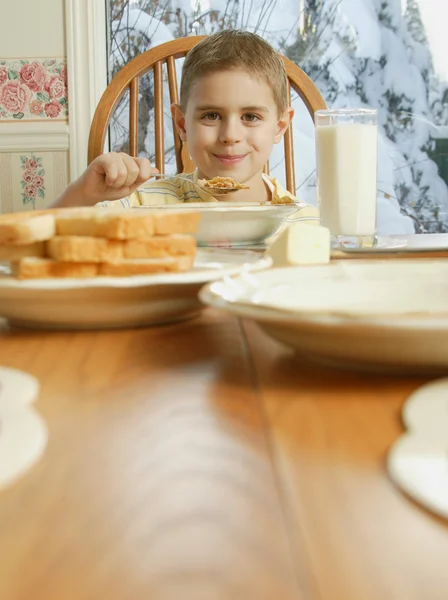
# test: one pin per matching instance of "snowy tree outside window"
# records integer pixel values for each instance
(359, 53)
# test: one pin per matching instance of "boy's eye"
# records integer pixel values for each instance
(251, 117)
(213, 116)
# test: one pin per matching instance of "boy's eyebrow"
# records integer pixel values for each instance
(258, 108)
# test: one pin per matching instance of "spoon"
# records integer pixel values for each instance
(214, 190)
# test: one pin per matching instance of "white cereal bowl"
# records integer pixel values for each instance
(235, 223)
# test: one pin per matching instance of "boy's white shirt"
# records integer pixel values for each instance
(175, 190)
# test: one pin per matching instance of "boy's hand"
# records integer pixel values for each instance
(115, 175)
(110, 176)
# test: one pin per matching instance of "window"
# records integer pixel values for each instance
(384, 54)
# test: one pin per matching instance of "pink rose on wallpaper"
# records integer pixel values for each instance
(14, 96)
(36, 107)
(30, 191)
(3, 75)
(55, 87)
(29, 176)
(33, 75)
(38, 181)
(31, 164)
(32, 182)
(52, 109)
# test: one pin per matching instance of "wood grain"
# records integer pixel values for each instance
(330, 433)
(205, 461)
(157, 481)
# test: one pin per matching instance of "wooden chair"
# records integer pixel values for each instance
(128, 78)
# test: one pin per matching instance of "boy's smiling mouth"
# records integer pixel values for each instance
(230, 159)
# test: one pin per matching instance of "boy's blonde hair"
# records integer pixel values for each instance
(232, 49)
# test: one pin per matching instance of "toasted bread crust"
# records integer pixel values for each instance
(94, 242)
(43, 268)
(93, 249)
(159, 246)
(126, 224)
(175, 222)
(26, 230)
(127, 267)
(96, 222)
(83, 249)
(11, 252)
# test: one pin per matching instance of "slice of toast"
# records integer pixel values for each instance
(111, 224)
(125, 224)
(173, 221)
(42, 268)
(13, 253)
(146, 266)
(26, 228)
(77, 222)
(76, 248)
(158, 246)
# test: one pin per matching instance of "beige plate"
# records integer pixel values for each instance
(375, 315)
(110, 302)
(418, 461)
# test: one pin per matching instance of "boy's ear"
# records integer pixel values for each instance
(179, 120)
(283, 123)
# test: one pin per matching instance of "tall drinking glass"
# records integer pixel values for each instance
(347, 165)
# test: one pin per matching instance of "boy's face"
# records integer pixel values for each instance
(230, 123)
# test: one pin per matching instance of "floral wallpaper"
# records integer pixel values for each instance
(33, 89)
(32, 182)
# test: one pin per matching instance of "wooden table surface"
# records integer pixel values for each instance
(203, 461)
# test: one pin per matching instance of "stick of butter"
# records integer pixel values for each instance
(301, 244)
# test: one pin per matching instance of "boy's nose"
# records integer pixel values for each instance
(229, 133)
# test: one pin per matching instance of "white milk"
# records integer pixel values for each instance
(347, 178)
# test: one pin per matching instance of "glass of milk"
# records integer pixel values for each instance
(347, 164)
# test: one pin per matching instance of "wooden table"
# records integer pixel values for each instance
(202, 461)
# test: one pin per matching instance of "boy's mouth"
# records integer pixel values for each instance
(232, 159)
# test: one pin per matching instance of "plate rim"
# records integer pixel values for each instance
(326, 318)
(264, 314)
(400, 245)
(230, 209)
(260, 262)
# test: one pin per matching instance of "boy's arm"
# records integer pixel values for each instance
(110, 176)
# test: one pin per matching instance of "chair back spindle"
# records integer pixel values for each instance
(159, 118)
(133, 116)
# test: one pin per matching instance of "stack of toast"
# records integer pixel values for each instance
(91, 242)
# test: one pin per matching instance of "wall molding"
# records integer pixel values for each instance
(34, 137)
(6, 201)
(87, 72)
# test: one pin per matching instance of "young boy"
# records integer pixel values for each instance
(233, 108)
